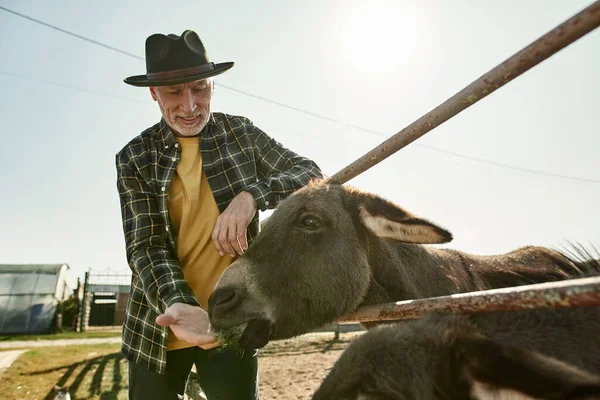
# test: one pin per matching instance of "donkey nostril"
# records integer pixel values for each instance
(225, 298)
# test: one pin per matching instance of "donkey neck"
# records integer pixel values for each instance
(410, 271)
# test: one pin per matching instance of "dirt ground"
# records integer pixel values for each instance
(294, 369)
(288, 369)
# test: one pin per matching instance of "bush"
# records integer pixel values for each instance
(68, 309)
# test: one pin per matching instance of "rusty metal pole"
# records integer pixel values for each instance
(583, 292)
(555, 40)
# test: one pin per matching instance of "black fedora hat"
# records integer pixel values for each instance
(172, 59)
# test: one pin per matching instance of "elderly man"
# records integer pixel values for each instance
(190, 187)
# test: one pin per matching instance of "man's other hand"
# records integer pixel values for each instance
(229, 233)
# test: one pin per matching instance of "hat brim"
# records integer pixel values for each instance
(143, 81)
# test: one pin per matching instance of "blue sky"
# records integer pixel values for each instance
(374, 64)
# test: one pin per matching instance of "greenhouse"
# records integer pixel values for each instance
(29, 295)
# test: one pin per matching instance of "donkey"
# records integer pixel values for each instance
(489, 356)
(329, 249)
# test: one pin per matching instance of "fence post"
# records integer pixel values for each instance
(83, 298)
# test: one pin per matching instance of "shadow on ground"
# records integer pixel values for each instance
(94, 369)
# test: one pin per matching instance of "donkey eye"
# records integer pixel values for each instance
(311, 223)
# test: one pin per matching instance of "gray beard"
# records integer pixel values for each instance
(189, 132)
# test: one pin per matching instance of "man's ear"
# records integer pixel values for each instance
(497, 372)
(153, 93)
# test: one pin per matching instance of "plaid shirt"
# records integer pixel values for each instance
(236, 156)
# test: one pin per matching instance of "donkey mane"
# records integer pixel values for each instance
(445, 271)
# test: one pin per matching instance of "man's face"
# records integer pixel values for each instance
(185, 107)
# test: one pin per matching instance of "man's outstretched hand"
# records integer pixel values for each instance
(189, 323)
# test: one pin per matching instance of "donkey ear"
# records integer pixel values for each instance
(498, 372)
(386, 219)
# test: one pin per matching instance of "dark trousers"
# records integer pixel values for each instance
(223, 374)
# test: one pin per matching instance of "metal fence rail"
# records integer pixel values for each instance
(581, 292)
(547, 45)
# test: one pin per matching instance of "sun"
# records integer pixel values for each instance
(378, 36)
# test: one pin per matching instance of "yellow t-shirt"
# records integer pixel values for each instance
(193, 213)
